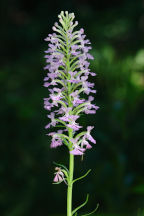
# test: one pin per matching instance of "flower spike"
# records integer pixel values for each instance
(70, 96)
(67, 59)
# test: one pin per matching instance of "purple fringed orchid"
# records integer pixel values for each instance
(67, 66)
(67, 61)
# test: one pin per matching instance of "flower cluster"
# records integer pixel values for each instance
(67, 59)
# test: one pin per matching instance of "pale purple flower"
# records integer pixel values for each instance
(56, 140)
(59, 175)
(64, 110)
(72, 124)
(47, 104)
(69, 118)
(78, 101)
(84, 142)
(76, 98)
(89, 56)
(88, 136)
(77, 151)
(90, 108)
(53, 121)
(75, 126)
(75, 50)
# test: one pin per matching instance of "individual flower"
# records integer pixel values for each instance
(88, 135)
(77, 150)
(59, 175)
(53, 121)
(72, 123)
(56, 139)
(85, 143)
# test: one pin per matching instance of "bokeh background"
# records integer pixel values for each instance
(116, 30)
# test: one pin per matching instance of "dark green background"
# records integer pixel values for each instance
(116, 30)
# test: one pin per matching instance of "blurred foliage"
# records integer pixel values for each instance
(116, 30)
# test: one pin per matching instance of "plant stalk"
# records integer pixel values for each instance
(70, 185)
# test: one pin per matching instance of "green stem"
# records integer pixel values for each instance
(70, 131)
(70, 185)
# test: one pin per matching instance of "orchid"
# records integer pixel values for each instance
(67, 66)
(59, 175)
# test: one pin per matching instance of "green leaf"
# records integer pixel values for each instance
(65, 142)
(57, 182)
(82, 205)
(82, 176)
(92, 211)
